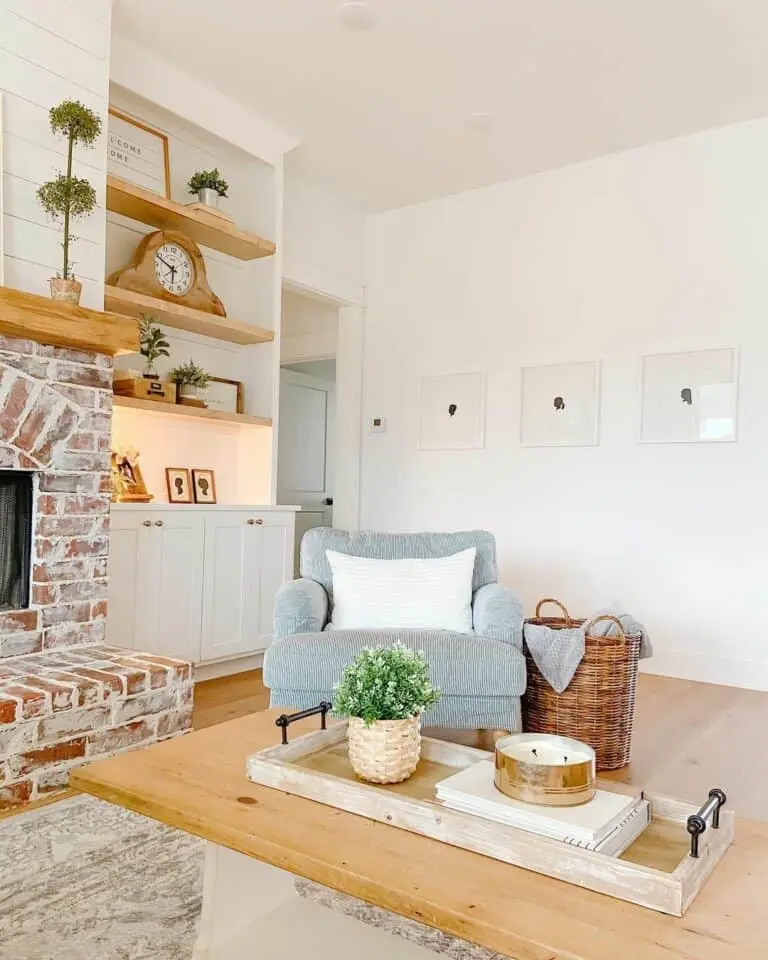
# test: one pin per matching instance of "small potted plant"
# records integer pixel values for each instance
(67, 197)
(209, 185)
(191, 380)
(153, 345)
(384, 691)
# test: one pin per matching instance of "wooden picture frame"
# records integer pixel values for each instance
(204, 486)
(179, 485)
(134, 161)
(127, 482)
(230, 400)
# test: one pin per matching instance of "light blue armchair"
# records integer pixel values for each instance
(481, 674)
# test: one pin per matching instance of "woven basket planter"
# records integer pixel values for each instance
(598, 706)
(386, 752)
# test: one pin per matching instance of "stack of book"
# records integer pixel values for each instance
(608, 824)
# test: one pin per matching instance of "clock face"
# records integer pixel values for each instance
(173, 269)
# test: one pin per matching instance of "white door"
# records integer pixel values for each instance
(248, 557)
(306, 449)
(176, 589)
(130, 546)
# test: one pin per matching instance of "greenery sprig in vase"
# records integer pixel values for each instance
(66, 198)
(152, 344)
(383, 692)
(209, 185)
(191, 380)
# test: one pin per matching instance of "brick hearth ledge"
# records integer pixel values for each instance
(65, 697)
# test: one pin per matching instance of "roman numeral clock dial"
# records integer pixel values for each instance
(173, 269)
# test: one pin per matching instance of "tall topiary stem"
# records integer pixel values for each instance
(67, 206)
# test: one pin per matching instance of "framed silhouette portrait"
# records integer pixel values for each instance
(204, 486)
(559, 405)
(453, 412)
(179, 484)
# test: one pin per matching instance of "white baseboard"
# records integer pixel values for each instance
(225, 668)
(706, 668)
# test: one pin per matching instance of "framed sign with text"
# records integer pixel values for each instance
(138, 153)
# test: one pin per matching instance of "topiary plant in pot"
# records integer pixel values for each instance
(209, 185)
(384, 691)
(68, 197)
(191, 380)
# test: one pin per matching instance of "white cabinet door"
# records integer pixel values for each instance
(130, 542)
(248, 556)
(177, 572)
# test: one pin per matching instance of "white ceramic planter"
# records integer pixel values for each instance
(208, 196)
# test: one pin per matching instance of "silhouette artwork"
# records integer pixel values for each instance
(204, 486)
(559, 403)
(686, 396)
(452, 408)
(179, 484)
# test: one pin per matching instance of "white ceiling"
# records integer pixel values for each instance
(382, 113)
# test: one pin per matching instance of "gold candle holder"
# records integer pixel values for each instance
(547, 770)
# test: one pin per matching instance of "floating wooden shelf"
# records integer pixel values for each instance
(199, 413)
(184, 318)
(61, 324)
(218, 234)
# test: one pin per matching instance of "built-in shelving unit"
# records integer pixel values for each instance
(181, 317)
(217, 233)
(199, 413)
(28, 315)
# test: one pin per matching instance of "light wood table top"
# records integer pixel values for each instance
(197, 783)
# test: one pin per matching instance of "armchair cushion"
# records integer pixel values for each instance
(459, 664)
(300, 607)
(497, 612)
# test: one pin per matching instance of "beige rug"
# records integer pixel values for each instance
(87, 880)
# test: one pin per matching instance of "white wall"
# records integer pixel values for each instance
(51, 51)
(659, 249)
(309, 328)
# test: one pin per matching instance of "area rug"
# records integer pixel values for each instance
(87, 880)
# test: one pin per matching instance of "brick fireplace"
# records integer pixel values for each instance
(65, 696)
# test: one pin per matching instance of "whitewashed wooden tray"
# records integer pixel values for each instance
(657, 871)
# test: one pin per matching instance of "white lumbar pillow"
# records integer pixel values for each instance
(429, 594)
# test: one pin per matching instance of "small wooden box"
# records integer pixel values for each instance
(145, 389)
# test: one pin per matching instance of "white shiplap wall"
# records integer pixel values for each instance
(51, 51)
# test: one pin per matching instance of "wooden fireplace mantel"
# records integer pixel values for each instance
(32, 317)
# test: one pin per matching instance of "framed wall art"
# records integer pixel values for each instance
(227, 396)
(138, 153)
(453, 412)
(689, 397)
(179, 484)
(204, 486)
(560, 405)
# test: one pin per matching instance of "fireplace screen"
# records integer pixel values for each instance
(15, 538)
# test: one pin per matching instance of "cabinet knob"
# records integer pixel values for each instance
(147, 523)
(158, 523)
(252, 520)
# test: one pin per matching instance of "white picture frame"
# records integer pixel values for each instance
(560, 405)
(452, 412)
(690, 397)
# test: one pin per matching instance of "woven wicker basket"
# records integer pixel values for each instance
(598, 706)
(386, 752)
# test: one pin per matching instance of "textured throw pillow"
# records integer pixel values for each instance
(430, 594)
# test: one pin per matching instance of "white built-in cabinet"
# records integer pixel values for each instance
(197, 582)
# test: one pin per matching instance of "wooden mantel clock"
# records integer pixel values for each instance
(168, 265)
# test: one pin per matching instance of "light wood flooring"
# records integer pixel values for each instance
(688, 737)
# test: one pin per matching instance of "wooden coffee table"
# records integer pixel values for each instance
(260, 839)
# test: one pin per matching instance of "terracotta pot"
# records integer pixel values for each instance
(386, 752)
(67, 290)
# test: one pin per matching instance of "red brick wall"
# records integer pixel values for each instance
(55, 419)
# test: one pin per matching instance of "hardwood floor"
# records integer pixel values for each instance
(689, 737)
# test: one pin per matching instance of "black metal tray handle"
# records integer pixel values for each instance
(697, 823)
(285, 719)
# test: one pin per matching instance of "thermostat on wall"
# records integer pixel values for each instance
(377, 425)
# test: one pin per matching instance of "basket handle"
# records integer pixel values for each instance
(557, 603)
(606, 616)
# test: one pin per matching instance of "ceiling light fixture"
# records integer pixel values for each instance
(358, 14)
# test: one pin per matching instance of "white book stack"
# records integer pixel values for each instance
(608, 824)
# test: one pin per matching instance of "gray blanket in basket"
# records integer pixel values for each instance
(558, 653)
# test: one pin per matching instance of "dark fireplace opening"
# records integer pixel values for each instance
(15, 538)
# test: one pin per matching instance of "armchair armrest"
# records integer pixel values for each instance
(497, 613)
(300, 607)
